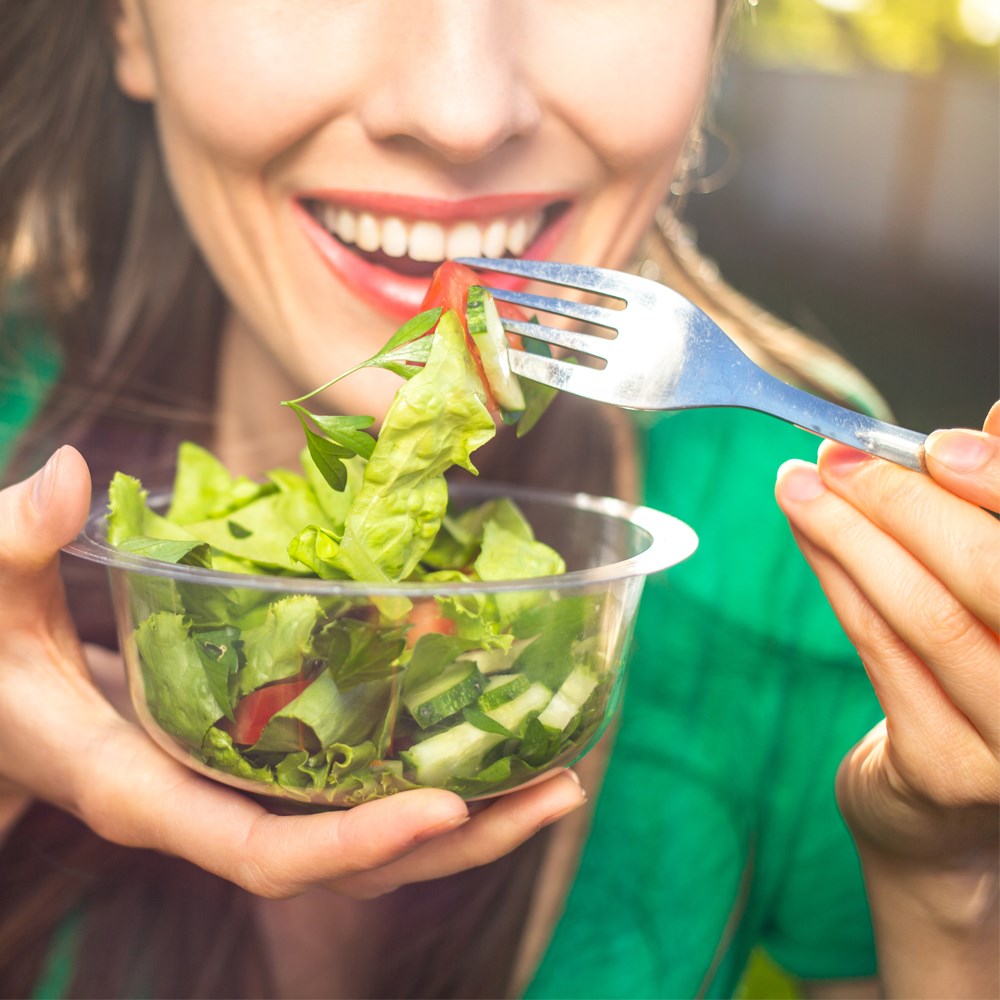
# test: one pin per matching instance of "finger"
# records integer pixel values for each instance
(934, 746)
(991, 425)
(918, 607)
(955, 539)
(491, 833)
(139, 796)
(37, 517)
(968, 462)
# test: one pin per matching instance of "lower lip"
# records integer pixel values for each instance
(395, 294)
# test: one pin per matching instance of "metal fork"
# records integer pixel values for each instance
(669, 355)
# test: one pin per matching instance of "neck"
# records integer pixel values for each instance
(254, 431)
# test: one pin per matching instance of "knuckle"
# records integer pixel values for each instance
(959, 777)
(258, 865)
(940, 617)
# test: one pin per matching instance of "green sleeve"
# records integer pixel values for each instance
(29, 368)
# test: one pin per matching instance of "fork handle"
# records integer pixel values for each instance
(811, 413)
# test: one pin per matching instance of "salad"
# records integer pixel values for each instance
(337, 699)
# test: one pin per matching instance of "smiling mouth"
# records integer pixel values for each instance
(414, 248)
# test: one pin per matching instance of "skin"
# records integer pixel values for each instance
(255, 107)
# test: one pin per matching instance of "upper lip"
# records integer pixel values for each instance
(438, 209)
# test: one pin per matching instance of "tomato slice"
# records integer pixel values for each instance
(254, 712)
(449, 289)
(425, 617)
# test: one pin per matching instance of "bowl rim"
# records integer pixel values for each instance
(670, 542)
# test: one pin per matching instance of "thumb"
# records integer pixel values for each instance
(968, 462)
(37, 518)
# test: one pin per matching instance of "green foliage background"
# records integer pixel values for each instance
(910, 36)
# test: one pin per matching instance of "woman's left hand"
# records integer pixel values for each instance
(911, 565)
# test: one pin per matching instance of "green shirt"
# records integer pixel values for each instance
(717, 829)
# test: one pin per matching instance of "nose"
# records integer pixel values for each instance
(452, 82)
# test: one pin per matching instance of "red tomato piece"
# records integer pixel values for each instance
(449, 289)
(425, 617)
(254, 711)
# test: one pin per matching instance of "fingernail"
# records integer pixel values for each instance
(960, 451)
(45, 482)
(840, 459)
(799, 481)
(564, 810)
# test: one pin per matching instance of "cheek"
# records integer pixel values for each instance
(638, 115)
(247, 88)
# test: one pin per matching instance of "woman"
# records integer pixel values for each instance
(306, 150)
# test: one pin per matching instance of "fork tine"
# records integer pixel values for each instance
(596, 346)
(595, 315)
(586, 279)
(562, 375)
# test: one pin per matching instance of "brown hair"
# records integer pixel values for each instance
(81, 190)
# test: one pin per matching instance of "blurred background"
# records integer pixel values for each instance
(857, 145)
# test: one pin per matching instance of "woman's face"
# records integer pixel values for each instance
(328, 154)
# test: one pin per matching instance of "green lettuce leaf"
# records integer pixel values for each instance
(275, 649)
(130, 517)
(259, 531)
(436, 420)
(323, 715)
(177, 691)
(204, 488)
(506, 555)
(220, 752)
(358, 651)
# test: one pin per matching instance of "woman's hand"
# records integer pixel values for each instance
(911, 565)
(62, 741)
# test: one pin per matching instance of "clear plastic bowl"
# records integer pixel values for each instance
(367, 715)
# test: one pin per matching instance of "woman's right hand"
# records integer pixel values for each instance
(62, 741)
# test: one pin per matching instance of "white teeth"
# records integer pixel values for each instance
(495, 239)
(465, 240)
(429, 241)
(394, 237)
(517, 237)
(346, 225)
(369, 237)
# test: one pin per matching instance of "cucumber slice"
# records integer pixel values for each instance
(495, 661)
(458, 686)
(501, 688)
(567, 702)
(516, 712)
(459, 751)
(491, 341)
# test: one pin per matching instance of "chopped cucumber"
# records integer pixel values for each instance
(458, 686)
(515, 712)
(566, 703)
(501, 688)
(491, 341)
(495, 661)
(459, 751)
